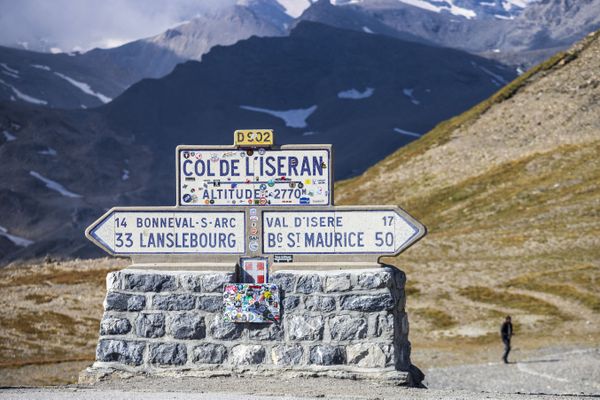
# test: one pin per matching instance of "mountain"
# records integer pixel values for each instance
(93, 78)
(469, 9)
(366, 94)
(350, 84)
(156, 56)
(351, 18)
(60, 169)
(58, 80)
(516, 32)
(510, 193)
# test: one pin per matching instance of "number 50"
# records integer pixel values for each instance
(382, 238)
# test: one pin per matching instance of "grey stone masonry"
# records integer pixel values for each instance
(345, 323)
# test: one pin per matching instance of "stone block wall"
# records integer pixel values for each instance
(345, 324)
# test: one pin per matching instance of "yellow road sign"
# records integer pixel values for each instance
(253, 137)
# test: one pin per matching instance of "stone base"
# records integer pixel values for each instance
(100, 372)
(335, 324)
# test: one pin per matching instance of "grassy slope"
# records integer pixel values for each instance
(50, 319)
(517, 229)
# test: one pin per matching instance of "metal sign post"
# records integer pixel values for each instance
(255, 200)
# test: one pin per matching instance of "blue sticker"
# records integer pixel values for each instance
(187, 198)
(304, 200)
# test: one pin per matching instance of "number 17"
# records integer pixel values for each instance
(388, 220)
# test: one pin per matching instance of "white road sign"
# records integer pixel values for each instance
(228, 176)
(129, 231)
(380, 230)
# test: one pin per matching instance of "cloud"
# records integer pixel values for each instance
(85, 24)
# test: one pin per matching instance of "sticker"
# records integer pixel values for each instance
(271, 182)
(253, 245)
(250, 152)
(254, 218)
(254, 270)
(253, 231)
(261, 151)
(263, 201)
(187, 198)
(253, 224)
(253, 237)
(283, 258)
(251, 303)
(253, 211)
(304, 200)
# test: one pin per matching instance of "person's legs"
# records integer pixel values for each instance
(506, 342)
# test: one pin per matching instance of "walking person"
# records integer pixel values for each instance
(506, 332)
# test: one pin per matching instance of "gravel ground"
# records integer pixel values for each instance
(551, 370)
(193, 393)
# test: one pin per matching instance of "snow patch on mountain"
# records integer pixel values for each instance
(407, 133)
(10, 74)
(497, 79)
(53, 185)
(295, 118)
(23, 96)
(39, 66)
(447, 5)
(7, 68)
(367, 30)
(355, 94)
(408, 92)
(48, 152)
(294, 8)
(19, 241)
(125, 175)
(84, 87)
(9, 136)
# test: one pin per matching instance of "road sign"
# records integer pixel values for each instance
(372, 230)
(228, 176)
(156, 230)
(253, 137)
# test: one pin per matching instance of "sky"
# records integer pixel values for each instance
(80, 25)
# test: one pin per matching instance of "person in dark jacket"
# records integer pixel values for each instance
(506, 332)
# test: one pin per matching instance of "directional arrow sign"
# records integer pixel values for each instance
(340, 230)
(155, 230)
